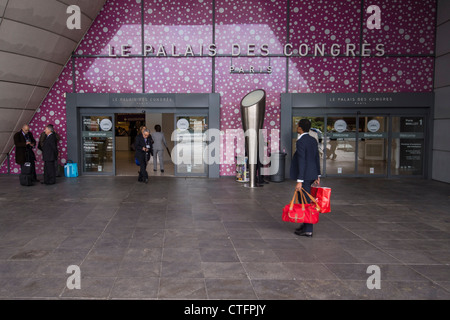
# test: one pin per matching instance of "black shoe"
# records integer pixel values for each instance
(146, 181)
(162, 170)
(300, 228)
(304, 234)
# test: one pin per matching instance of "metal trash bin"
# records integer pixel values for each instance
(280, 159)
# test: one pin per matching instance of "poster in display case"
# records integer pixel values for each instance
(97, 143)
(411, 144)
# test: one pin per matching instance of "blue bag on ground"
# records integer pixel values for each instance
(71, 169)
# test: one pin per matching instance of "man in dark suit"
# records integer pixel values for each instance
(49, 155)
(305, 167)
(143, 146)
(25, 142)
(42, 138)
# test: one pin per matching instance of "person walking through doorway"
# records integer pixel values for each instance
(159, 142)
(143, 147)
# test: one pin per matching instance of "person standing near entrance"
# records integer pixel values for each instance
(25, 142)
(143, 147)
(50, 155)
(159, 142)
(42, 138)
(305, 167)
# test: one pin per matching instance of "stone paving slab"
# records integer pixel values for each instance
(208, 239)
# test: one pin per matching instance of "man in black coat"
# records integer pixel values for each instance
(25, 142)
(305, 167)
(143, 147)
(49, 155)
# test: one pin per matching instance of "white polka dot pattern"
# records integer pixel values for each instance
(407, 28)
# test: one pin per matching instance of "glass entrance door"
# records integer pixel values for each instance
(190, 145)
(368, 144)
(340, 145)
(97, 142)
(372, 145)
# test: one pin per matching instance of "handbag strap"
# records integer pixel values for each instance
(302, 195)
(303, 201)
(312, 199)
(295, 198)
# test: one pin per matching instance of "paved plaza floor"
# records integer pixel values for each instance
(178, 238)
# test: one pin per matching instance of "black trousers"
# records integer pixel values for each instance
(49, 172)
(307, 227)
(143, 174)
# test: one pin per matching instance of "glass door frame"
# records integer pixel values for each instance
(189, 114)
(388, 138)
(355, 168)
(109, 103)
(82, 155)
(358, 113)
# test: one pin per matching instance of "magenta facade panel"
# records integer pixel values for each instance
(231, 47)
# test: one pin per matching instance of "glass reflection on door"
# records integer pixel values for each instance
(372, 145)
(190, 145)
(340, 145)
(97, 144)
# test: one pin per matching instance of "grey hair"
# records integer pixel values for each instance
(146, 130)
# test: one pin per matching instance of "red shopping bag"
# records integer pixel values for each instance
(322, 196)
(301, 212)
